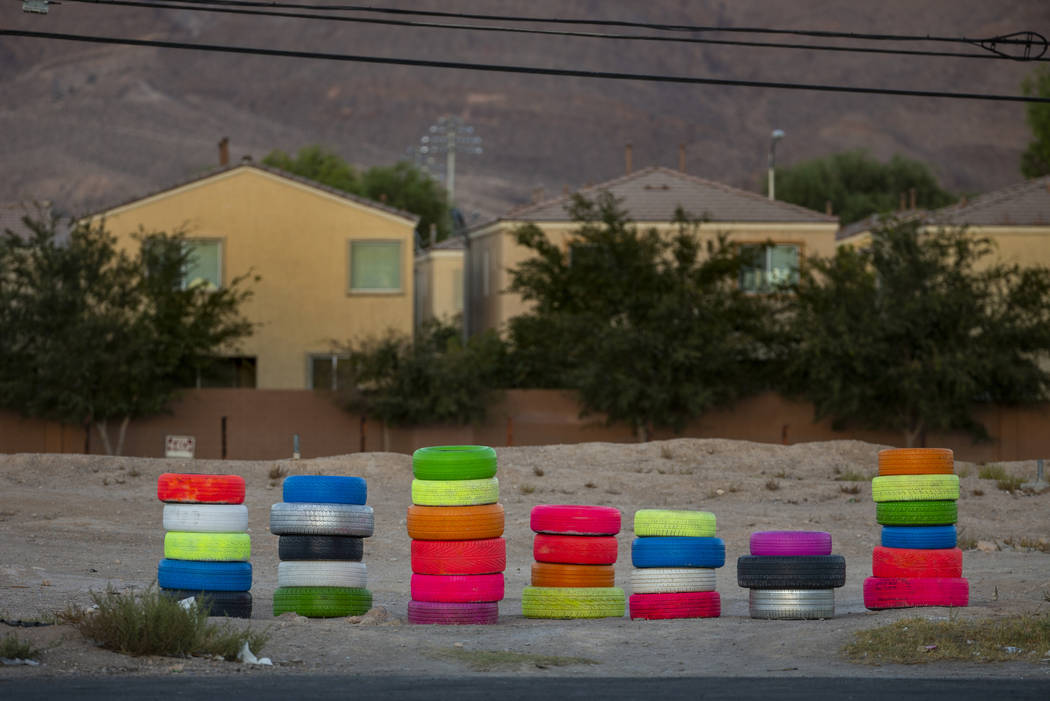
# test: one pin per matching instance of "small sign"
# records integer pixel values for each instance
(179, 446)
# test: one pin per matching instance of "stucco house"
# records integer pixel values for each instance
(439, 281)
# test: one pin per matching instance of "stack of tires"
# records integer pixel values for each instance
(575, 549)
(206, 544)
(321, 524)
(918, 563)
(456, 524)
(791, 575)
(675, 555)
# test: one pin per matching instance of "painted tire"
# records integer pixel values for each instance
(220, 547)
(919, 537)
(455, 522)
(231, 604)
(206, 518)
(915, 488)
(444, 613)
(322, 573)
(454, 462)
(790, 543)
(561, 519)
(549, 574)
(908, 562)
(678, 552)
(455, 588)
(787, 572)
(916, 461)
(792, 604)
(917, 513)
(455, 492)
(905, 592)
(182, 488)
(195, 575)
(698, 604)
(320, 547)
(301, 518)
(574, 549)
(487, 556)
(573, 602)
(325, 489)
(321, 602)
(667, 580)
(668, 522)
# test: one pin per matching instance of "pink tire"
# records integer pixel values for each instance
(904, 592)
(457, 588)
(451, 614)
(693, 604)
(575, 520)
(791, 543)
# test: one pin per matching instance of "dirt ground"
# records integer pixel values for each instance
(70, 524)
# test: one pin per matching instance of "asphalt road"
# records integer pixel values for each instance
(263, 687)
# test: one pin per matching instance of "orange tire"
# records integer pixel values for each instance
(455, 522)
(916, 461)
(549, 574)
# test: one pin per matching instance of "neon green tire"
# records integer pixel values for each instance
(216, 547)
(915, 488)
(455, 492)
(916, 513)
(668, 522)
(322, 602)
(573, 602)
(454, 462)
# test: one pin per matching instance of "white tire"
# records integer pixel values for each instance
(663, 580)
(206, 518)
(789, 604)
(322, 573)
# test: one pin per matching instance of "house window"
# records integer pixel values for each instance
(204, 264)
(375, 266)
(769, 267)
(237, 371)
(325, 371)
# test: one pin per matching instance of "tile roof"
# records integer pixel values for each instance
(870, 222)
(1023, 204)
(653, 194)
(11, 214)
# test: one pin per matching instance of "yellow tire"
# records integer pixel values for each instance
(455, 492)
(573, 602)
(217, 547)
(915, 488)
(669, 522)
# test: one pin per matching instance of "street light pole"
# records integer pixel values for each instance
(776, 136)
(449, 135)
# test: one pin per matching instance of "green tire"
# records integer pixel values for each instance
(573, 602)
(322, 602)
(215, 547)
(454, 462)
(668, 522)
(455, 492)
(915, 488)
(916, 513)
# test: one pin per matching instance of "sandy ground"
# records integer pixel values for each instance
(70, 524)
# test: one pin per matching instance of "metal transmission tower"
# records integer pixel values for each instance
(449, 135)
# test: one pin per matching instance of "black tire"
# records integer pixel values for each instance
(791, 572)
(232, 604)
(320, 547)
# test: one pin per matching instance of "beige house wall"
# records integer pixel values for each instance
(440, 273)
(297, 239)
(1023, 245)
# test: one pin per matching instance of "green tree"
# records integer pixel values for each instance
(1035, 161)
(317, 164)
(857, 185)
(650, 328)
(908, 334)
(93, 334)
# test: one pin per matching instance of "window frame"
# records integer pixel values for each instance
(334, 358)
(799, 246)
(350, 290)
(221, 259)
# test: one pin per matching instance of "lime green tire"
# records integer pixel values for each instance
(455, 492)
(454, 462)
(321, 602)
(915, 488)
(215, 547)
(573, 602)
(669, 522)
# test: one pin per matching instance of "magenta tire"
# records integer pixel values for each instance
(791, 543)
(575, 520)
(453, 614)
(905, 592)
(457, 588)
(692, 604)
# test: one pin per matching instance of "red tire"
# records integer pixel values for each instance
(575, 520)
(456, 588)
(911, 562)
(200, 489)
(903, 592)
(693, 604)
(574, 549)
(550, 574)
(487, 556)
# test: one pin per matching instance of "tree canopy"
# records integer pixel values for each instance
(858, 185)
(1035, 161)
(909, 334)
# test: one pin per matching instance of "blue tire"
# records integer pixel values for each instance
(919, 537)
(325, 489)
(658, 551)
(197, 575)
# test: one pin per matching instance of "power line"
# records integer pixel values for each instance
(225, 9)
(528, 70)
